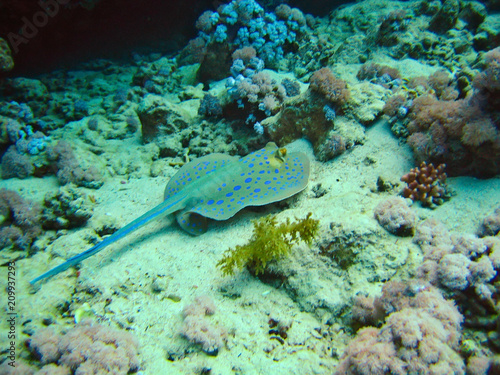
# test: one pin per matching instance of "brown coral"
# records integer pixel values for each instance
(334, 89)
(426, 184)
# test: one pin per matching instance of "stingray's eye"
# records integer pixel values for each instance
(280, 154)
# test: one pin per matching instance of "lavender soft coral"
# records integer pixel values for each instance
(68, 168)
(421, 334)
(197, 329)
(88, 348)
(21, 220)
(396, 217)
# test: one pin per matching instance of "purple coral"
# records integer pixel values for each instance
(87, 348)
(22, 220)
(68, 168)
(16, 165)
(490, 226)
(421, 333)
(197, 329)
(396, 217)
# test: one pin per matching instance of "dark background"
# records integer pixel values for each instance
(112, 29)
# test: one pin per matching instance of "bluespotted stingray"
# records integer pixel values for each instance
(216, 186)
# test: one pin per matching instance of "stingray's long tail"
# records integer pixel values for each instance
(166, 207)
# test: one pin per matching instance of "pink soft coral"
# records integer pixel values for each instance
(197, 329)
(89, 348)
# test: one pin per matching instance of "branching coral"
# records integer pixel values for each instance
(426, 184)
(270, 241)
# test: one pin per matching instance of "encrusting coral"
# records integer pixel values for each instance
(269, 241)
(427, 185)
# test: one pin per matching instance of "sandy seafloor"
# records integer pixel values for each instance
(185, 266)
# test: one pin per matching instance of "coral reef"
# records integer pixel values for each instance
(6, 60)
(198, 329)
(21, 220)
(396, 217)
(270, 241)
(68, 169)
(87, 348)
(490, 226)
(421, 333)
(210, 106)
(65, 209)
(332, 88)
(16, 165)
(426, 184)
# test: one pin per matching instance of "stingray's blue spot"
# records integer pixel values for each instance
(276, 170)
(293, 170)
(220, 202)
(200, 169)
(224, 184)
(219, 189)
(189, 179)
(275, 178)
(267, 162)
(256, 190)
(183, 222)
(262, 172)
(258, 179)
(265, 157)
(242, 174)
(254, 158)
(214, 209)
(198, 177)
(250, 165)
(267, 182)
(248, 180)
(231, 200)
(288, 173)
(248, 187)
(237, 187)
(229, 194)
(211, 201)
(278, 182)
(261, 163)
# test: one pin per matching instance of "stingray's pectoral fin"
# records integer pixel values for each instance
(192, 223)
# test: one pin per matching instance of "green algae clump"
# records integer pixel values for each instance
(269, 241)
